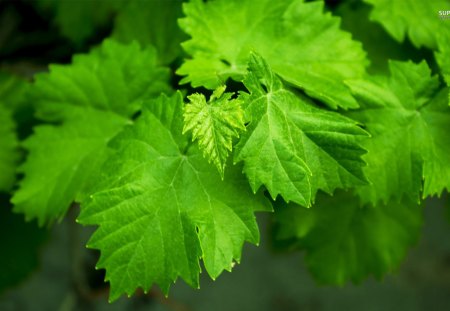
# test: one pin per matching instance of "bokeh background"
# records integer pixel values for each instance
(264, 281)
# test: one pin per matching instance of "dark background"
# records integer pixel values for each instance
(65, 279)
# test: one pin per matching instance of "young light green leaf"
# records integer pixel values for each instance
(8, 149)
(91, 99)
(292, 147)
(214, 124)
(346, 242)
(301, 43)
(420, 20)
(161, 207)
(409, 120)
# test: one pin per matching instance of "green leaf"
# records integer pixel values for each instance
(152, 22)
(12, 95)
(79, 20)
(292, 147)
(113, 77)
(409, 120)
(8, 149)
(214, 124)
(61, 162)
(302, 44)
(378, 44)
(12, 90)
(162, 207)
(20, 243)
(442, 56)
(419, 20)
(346, 242)
(91, 99)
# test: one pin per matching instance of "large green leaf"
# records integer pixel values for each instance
(8, 149)
(303, 45)
(61, 162)
(420, 20)
(152, 22)
(92, 99)
(346, 242)
(162, 207)
(293, 147)
(409, 120)
(113, 77)
(214, 124)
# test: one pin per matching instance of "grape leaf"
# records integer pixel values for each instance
(114, 77)
(12, 94)
(378, 44)
(13, 112)
(152, 22)
(8, 149)
(214, 124)
(61, 161)
(292, 147)
(12, 90)
(409, 120)
(303, 45)
(346, 242)
(91, 99)
(161, 207)
(417, 19)
(442, 56)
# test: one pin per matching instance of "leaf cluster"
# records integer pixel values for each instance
(277, 110)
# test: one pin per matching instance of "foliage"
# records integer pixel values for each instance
(224, 32)
(152, 23)
(163, 207)
(419, 20)
(292, 147)
(408, 116)
(345, 241)
(214, 124)
(271, 110)
(8, 149)
(91, 100)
